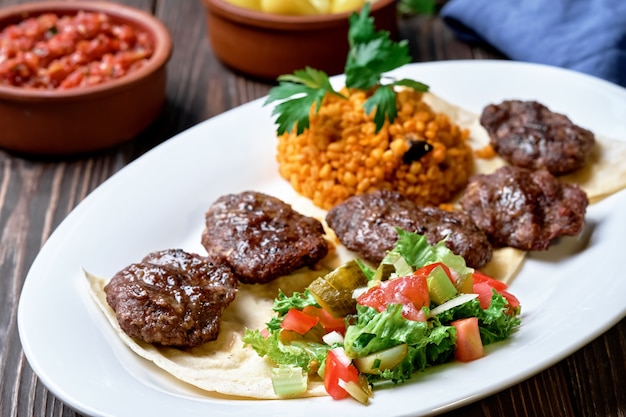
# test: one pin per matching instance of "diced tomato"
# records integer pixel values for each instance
(338, 366)
(410, 291)
(375, 297)
(485, 293)
(328, 322)
(469, 346)
(499, 286)
(510, 299)
(298, 321)
(493, 283)
(410, 312)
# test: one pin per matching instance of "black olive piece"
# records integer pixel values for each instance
(417, 149)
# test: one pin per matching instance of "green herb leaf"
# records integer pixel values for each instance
(383, 102)
(415, 85)
(369, 59)
(297, 93)
(362, 27)
(298, 300)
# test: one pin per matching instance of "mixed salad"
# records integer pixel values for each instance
(358, 327)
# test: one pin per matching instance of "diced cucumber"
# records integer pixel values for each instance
(440, 287)
(399, 263)
(465, 284)
(289, 380)
(382, 360)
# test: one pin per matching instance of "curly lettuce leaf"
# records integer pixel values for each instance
(298, 300)
(417, 252)
(306, 355)
(496, 323)
(438, 350)
(376, 331)
(429, 342)
(283, 303)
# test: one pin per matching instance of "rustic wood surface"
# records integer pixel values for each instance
(36, 195)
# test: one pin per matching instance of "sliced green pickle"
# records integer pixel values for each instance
(333, 291)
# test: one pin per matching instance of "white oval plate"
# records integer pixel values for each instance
(159, 200)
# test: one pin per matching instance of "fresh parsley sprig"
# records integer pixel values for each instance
(371, 54)
(297, 93)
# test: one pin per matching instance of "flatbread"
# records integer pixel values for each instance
(605, 173)
(223, 366)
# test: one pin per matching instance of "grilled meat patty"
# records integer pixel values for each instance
(529, 135)
(524, 209)
(366, 225)
(171, 298)
(261, 237)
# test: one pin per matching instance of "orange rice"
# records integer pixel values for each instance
(341, 155)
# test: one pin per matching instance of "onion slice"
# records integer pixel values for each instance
(332, 338)
(454, 302)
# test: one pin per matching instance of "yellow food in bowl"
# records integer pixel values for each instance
(248, 4)
(340, 6)
(290, 7)
(300, 7)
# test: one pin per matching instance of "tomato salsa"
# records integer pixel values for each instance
(60, 52)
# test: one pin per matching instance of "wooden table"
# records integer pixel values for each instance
(36, 195)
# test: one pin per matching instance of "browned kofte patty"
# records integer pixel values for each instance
(529, 135)
(261, 237)
(366, 225)
(524, 209)
(172, 298)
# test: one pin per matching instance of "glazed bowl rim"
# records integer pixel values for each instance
(137, 17)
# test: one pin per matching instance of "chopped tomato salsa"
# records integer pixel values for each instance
(61, 52)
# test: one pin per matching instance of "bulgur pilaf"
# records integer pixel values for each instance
(341, 155)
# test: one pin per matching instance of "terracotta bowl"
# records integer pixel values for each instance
(85, 119)
(265, 45)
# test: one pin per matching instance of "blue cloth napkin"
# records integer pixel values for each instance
(583, 35)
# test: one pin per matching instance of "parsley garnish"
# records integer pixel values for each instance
(372, 53)
(299, 92)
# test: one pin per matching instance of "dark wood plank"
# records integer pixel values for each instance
(431, 40)
(597, 374)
